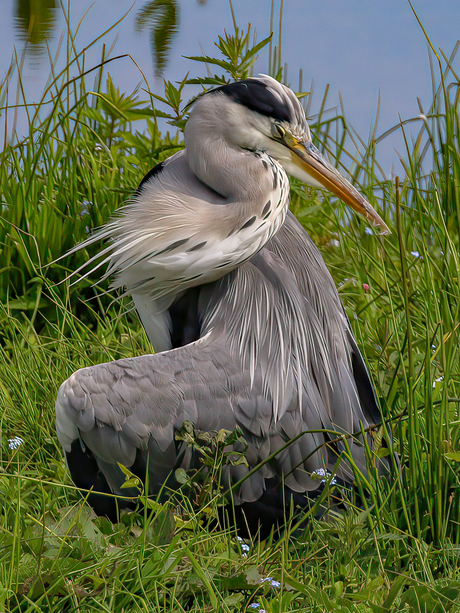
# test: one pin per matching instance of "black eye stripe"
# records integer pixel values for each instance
(256, 96)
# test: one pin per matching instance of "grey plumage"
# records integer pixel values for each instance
(262, 341)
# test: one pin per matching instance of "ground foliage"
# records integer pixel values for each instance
(394, 548)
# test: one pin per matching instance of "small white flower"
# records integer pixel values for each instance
(321, 472)
(254, 605)
(335, 243)
(416, 254)
(273, 583)
(244, 547)
(15, 442)
(369, 231)
(98, 147)
(438, 380)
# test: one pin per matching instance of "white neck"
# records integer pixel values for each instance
(217, 156)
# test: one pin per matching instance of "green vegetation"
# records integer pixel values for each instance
(399, 548)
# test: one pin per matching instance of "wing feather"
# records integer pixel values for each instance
(276, 357)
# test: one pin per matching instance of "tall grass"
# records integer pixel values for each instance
(82, 157)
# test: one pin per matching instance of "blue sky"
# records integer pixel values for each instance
(358, 47)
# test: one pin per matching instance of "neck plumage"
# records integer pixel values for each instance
(236, 173)
(176, 233)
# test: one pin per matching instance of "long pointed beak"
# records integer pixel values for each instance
(307, 157)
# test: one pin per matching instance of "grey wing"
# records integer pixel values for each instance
(353, 398)
(130, 408)
(293, 331)
(231, 376)
(276, 357)
(135, 405)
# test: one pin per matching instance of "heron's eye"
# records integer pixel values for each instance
(278, 131)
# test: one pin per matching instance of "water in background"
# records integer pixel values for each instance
(358, 48)
(35, 23)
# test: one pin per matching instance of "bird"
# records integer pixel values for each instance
(244, 318)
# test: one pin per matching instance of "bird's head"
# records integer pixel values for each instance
(261, 114)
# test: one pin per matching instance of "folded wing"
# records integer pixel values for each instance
(275, 356)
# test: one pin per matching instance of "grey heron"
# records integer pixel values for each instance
(245, 320)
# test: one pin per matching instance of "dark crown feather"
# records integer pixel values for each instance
(255, 95)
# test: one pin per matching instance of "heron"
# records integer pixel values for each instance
(245, 320)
